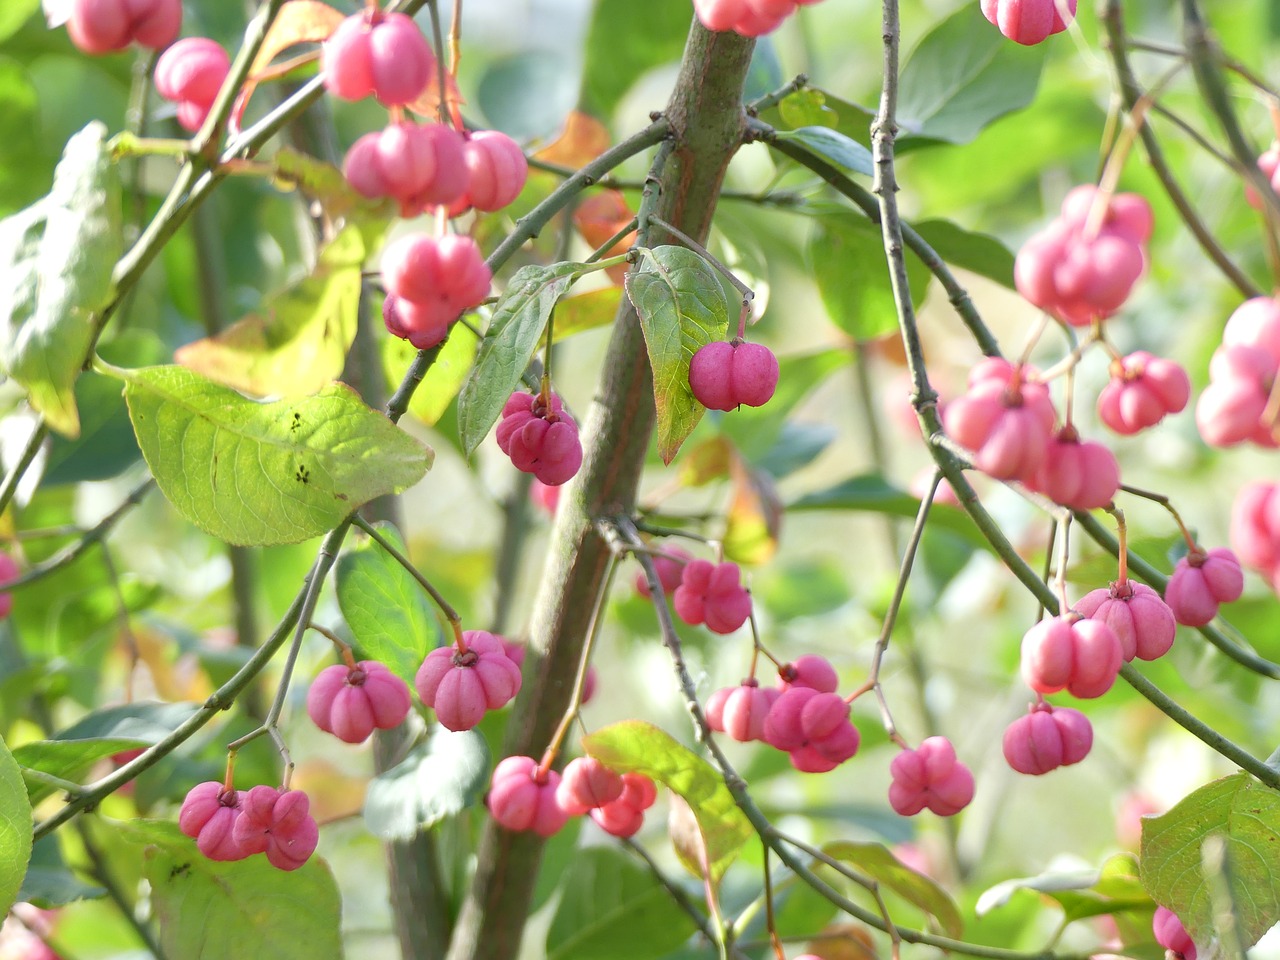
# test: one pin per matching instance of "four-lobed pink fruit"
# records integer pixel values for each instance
(104, 26)
(813, 727)
(1234, 407)
(1005, 418)
(377, 54)
(1077, 473)
(724, 375)
(712, 594)
(418, 165)
(930, 777)
(523, 797)
(1172, 935)
(539, 438)
(586, 784)
(431, 282)
(208, 815)
(740, 711)
(1200, 582)
(1143, 390)
(1136, 614)
(1071, 653)
(352, 703)
(809, 670)
(278, 823)
(624, 816)
(190, 73)
(1046, 738)
(1027, 21)
(462, 687)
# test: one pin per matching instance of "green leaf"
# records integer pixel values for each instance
(264, 473)
(682, 307)
(963, 75)
(300, 340)
(807, 108)
(390, 617)
(633, 746)
(833, 146)
(60, 254)
(612, 908)
(210, 910)
(325, 183)
(654, 35)
(875, 860)
(49, 882)
(977, 252)
(849, 264)
(867, 491)
(444, 377)
(14, 13)
(1117, 890)
(15, 830)
(439, 778)
(515, 330)
(66, 759)
(1246, 815)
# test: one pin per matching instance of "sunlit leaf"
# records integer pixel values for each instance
(15, 829)
(876, 861)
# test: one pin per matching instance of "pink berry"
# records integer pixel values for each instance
(380, 54)
(448, 271)
(1027, 21)
(419, 165)
(740, 711)
(350, 704)
(1078, 474)
(208, 815)
(1255, 323)
(539, 439)
(669, 566)
(1269, 164)
(461, 687)
(1255, 527)
(8, 572)
(813, 727)
(624, 816)
(1136, 614)
(724, 376)
(522, 797)
(930, 777)
(586, 784)
(546, 498)
(1143, 389)
(1005, 418)
(496, 170)
(1069, 652)
(1200, 582)
(103, 26)
(190, 73)
(712, 594)
(280, 823)
(1047, 738)
(809, 670)
(1170, 934)
(1231, 409)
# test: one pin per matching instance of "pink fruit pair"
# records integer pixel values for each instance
(523, 797)
(615, 801)
(1200, 582)
(1076, 473)
(190, 74)
(813, 727)
(431, 282)
(417, 165)
(1081, 272)
(1142, 391)
(1140, 619)
(1028, 21)
(1047, 738)
(352, 703)
(377, 54)
(750, 18)
(1255, 529)
(462, 686)
(233, 824)
(104, 26)
(724, 376)
(1071, 653)
(539, 438)
(1005, 418)
(1242, 374)
(930, 777)
(712, 594)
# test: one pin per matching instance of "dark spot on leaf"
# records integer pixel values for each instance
(303, 475)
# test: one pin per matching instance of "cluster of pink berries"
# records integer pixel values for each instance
(1142, 391)
(539, 437)
(105, 26)
(1082, 651)
(229, 824)
(430, 283)
(1083, 266)
(1028, 21)
(352, 701)
(524, 795)
(725, 375)
(749, 18)
(1234, 407)
(190, 73)
(701, 592)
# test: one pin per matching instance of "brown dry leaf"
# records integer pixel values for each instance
(582, 140)
(845, 941)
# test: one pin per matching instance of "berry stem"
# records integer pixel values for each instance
(774, 939)
(1064, 554)
(229, 778)
(1122, 537)
(584, 664)
(437, 35)
(1164, 501)
(344, 648)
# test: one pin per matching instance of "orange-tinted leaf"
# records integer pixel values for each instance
(845, 941)
(708, 461)
(755, 516)
(598, 218)
(582, 140)
(428, 102)
(586, 311)
(299, 21)
(333, 794)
